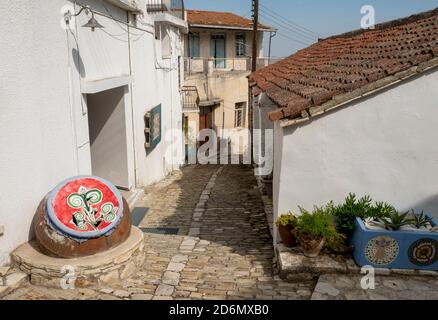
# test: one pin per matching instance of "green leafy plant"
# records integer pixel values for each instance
(380, 210)
(420, 220)
(287, 220)
(396, 220)
(345, 214)
(319, 224)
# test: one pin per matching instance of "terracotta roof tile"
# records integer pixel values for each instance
(224, 19)
(344, 63)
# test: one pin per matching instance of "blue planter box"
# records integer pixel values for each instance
(395, 249)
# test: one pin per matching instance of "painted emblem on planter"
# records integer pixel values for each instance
(424, 252)
(382, 250)
(85, 207)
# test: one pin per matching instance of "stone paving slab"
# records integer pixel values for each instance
(293, 266)
(348, 287)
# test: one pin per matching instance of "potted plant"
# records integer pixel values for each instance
(345, 214)
(421, 221)
(286, 226)
(395, 221)
(316, 230)
(397, 241)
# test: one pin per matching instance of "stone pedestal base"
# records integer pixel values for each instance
(103, 268)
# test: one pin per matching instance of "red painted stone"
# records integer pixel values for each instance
(82, 216)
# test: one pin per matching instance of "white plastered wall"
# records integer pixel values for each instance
(383, 146)
(43, 111)
(36, 131)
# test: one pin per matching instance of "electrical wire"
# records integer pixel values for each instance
(158, 65)
(117, 37)
(292, 39)
(139, 36)
(272, 18)
(120, 22)
(290, 22)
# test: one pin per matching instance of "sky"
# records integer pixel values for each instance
(300, 22)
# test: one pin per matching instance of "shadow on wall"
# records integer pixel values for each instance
(79, 64)
(429, 205)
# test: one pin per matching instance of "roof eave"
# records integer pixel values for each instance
(208, 26)
(363, 92)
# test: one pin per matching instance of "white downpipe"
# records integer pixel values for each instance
(134, 149)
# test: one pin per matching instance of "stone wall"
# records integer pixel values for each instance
(104, 268)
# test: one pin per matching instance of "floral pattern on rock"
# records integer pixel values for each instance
(85, 206)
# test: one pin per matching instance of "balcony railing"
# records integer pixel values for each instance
(194, 66)
(174, 7)
(190, 99)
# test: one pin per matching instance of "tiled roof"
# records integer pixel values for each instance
(348, 65)
(221, 19)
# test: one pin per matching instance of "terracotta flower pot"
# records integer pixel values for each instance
(311, 246)
(287, 236)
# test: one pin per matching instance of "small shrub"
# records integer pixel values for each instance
(380, 210)
(319, 224)
(288, 220)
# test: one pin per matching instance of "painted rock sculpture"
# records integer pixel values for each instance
(82, 216)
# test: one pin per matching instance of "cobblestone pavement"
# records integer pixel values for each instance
(223, 249)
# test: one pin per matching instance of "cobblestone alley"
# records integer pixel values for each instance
(223, 248)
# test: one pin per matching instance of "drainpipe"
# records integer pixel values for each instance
(271, 35)
(72, 105)
(132, 100)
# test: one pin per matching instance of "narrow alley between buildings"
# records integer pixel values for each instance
(222, 248)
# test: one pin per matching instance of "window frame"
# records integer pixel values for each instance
(193, 44)
(240, 114)
(240, 50)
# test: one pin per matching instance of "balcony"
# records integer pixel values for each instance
(173, 7)
(197, 66)
(190, 99)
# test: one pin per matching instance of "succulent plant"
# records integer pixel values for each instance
(394, 221)
(420, 220)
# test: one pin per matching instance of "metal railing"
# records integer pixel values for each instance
(194, 66)
(174, 7)
(190, 99)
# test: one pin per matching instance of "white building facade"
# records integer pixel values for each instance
(76, 102)
(382, 146)
(355, 113)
